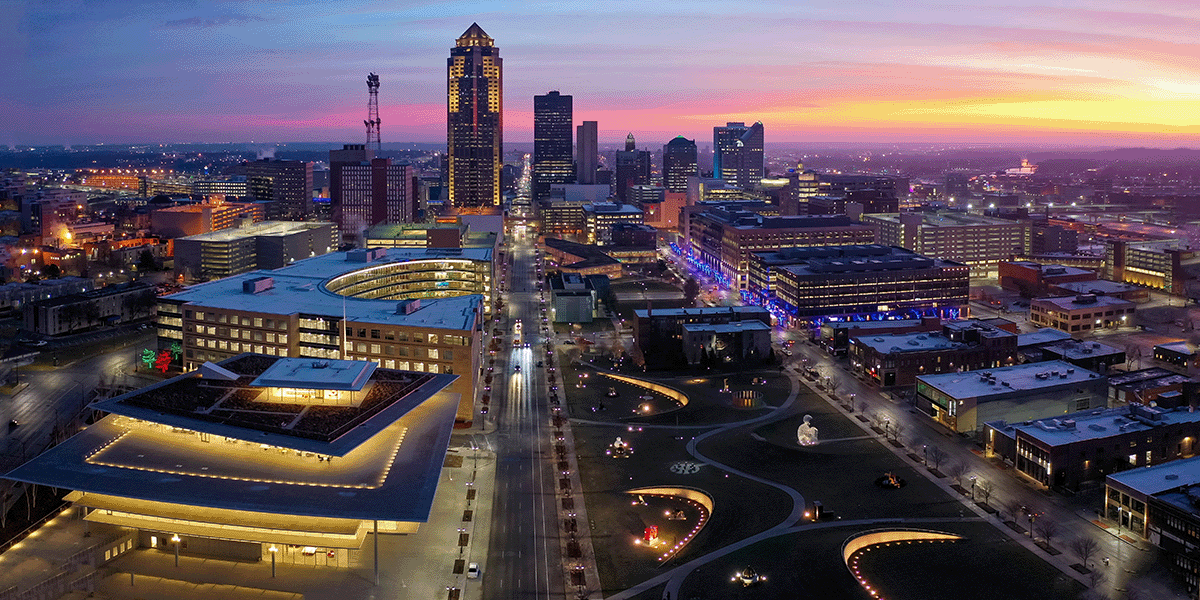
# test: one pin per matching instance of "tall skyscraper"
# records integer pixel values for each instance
(552, 160)
(474, 123)
(738, 154)
(587, 158)
(366, 191)
(633, 168)
(679, 163)
(287, 184)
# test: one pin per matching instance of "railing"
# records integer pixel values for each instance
(16, 539)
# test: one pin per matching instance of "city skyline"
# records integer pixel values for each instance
(883, 72)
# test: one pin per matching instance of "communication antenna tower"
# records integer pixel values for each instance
(372, 121)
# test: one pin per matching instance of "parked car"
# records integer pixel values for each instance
(473, 571)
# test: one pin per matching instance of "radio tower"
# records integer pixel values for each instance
(372, 121)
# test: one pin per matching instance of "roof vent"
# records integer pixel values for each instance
(408, 307)
(320, 364)
(1172, 476)
(257, 285)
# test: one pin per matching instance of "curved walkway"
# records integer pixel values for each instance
(675, 576)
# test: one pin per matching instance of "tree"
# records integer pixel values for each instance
(936, 456)
(1012, 507)
(1084, 547)
(1047, 528)
(957, 470)
(691, 290)
(897, 429)
(146, 261)
(52, 272)
(985, 488)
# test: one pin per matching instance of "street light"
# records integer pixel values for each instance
(973, 478)
(925, 451)
(175, 539)
(273, 550)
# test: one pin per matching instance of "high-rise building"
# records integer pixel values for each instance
(552, 160)
(633, 168)
(587, 157)
(286, 184)
(738, 153)
(679, 163)
(365, 191)
(474, 120)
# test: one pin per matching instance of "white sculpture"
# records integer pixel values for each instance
(806, 434)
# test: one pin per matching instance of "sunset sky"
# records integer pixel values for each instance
(1102, 72)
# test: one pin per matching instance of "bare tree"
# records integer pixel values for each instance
(897, 429)
(1011, 507)
(1085, 548)
(863, 406)
(1046, 528)
(985, 488)
(833, 384)
(936, 456)
(1097, 578)
(956, 470)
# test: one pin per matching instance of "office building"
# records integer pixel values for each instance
(457, 234)
(963, 402)
(365, 191)
(633, 168)
(741, 344)
(665, 213)
(408, 309)
(1161, 504)
(1034, 279)
(978, 241)
(572, 297)
(660, 332)
(1153, 386)
(802, 185)
(1063, 451)
(679, 163)
(266, 245)
(285, 185)
(1181, 354)
(564, 219)
(1090, 355)
(865, 281)
(956, 187)
(722, 239)
(898, 358)
(195, 219)
(1081, 314)
(552, 149)
(584, 260)
(599, 218)
(111, 305)
(853, 202)
(474, 121)
(228, 188)
(245, 446)
(738, 154)
(587, 153)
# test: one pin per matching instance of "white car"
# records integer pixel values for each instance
(473, 571)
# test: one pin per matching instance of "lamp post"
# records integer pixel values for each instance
(175, 540)
(887, 427)
(973, 478)
(273, 550)
(925, 451)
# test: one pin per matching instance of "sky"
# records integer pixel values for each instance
(1053, 72)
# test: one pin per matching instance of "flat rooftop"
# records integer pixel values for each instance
(391, 475)
(866, 325)
(1083, 301)
(301, 288)
(1182, 347)
(727, 327)
(1017, 378)
(264, 228)
(1098, 286)
(240, 409)
(1162, 478)
(1098, 424)
(948, 218)
(1054, 270)
(701, 311)
(1149, 374)
(1081, 350)
(1045, 335)
(907, 342)
(324, 374)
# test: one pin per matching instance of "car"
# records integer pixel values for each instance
(473, 571)
(13, 424)
(516, 368)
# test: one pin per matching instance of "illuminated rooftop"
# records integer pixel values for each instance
(390, 473)
(293, 410)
